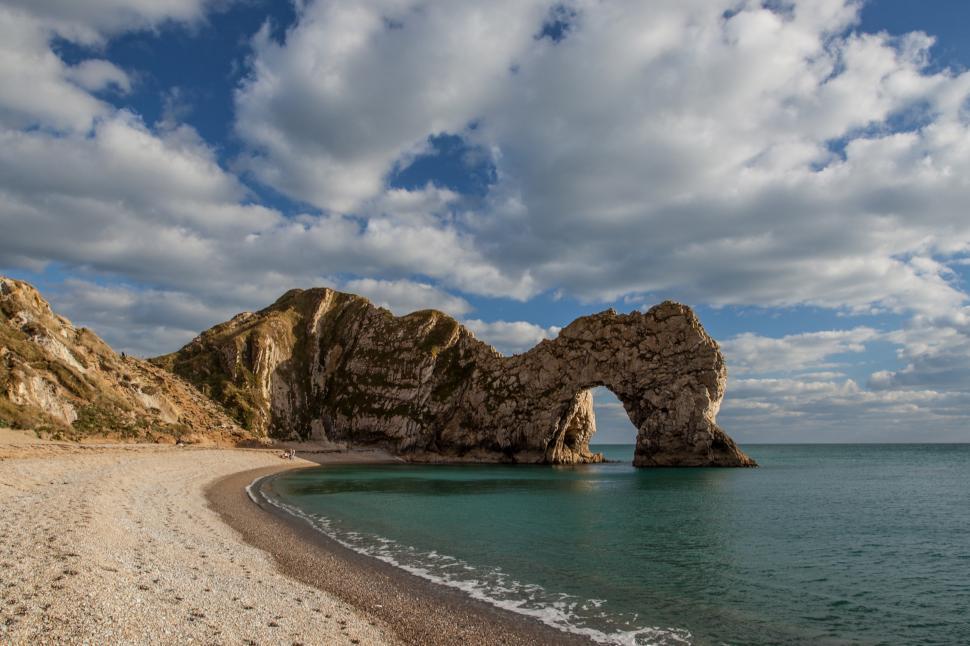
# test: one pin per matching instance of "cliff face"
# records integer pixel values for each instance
(320, 363)
(67, 382)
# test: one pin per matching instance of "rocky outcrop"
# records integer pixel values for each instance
(66, 382)
(323, 364)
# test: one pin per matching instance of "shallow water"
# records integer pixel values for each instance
(822, 544)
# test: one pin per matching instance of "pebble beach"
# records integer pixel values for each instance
(117, 545)
(138, 544)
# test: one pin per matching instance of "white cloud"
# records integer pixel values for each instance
(710, 187)
(153, 206)
(137, 321)
(406, 296)
(795, 352)
(926, 400)
(359, 86)
(37, 89)
(510, 337)
(934, 351)
(785, 410)
(96, 74)
(34, 85)
(657, 148)
(90, 21)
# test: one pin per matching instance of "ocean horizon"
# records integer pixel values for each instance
(831, 544)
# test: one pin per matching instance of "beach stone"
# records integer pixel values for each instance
(324, 363)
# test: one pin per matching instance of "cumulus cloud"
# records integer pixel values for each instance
(37, 89)
(727, 154)
(793, 409)
(721, 185)
(360, 85)
(146, 205)
(510, 337)
(91, 21)
(34, 85)
(164, 320)
(934, 351)
(96, 74)
(658, 149)
(788, 389)
(153, 205)
(406, 296)
(750, 352)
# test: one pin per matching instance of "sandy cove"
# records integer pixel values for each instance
(119, 544)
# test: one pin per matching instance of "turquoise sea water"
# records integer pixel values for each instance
(837, 544)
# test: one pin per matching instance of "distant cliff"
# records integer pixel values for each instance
(320, 363)
(68, 383)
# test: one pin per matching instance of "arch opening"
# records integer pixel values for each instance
(591, 413)
(614, 428)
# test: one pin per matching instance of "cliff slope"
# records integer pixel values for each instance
(324, 364)
(67, 382)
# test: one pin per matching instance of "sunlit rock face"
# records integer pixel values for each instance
(66, 382)
(324, 364)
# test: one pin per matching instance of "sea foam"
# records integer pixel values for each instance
(561, 611)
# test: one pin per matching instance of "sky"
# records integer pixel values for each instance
(797, 171)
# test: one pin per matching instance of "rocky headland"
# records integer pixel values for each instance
(321, 364)
(66, 383)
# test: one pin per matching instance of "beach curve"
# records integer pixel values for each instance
(127, 543)
(117, 544)
(417, 610)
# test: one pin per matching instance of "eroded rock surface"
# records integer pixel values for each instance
(320, 363)
(67, 382)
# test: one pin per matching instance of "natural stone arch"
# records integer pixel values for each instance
(423, 386)
(662, 366)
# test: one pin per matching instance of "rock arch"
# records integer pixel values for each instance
(663, 367)
(323, 362)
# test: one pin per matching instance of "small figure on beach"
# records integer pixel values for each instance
(288, 454)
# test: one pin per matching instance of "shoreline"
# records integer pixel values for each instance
(417, 610)
(140, 543)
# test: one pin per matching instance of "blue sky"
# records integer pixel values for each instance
(795, 171)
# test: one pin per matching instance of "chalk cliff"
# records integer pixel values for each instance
(67, 383)
(323, 364)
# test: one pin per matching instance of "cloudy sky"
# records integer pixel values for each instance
(796, 170)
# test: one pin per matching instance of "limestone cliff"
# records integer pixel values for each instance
(66, 382)
(320, 363)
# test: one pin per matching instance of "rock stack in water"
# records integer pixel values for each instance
(323, 364)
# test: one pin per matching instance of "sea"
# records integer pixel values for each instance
(823, 544)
